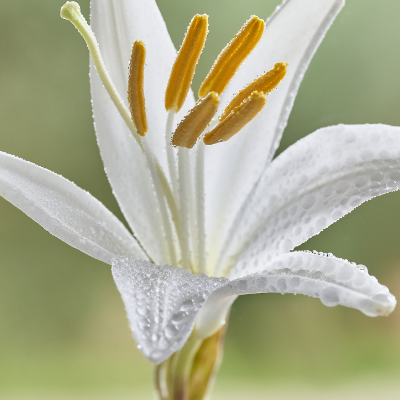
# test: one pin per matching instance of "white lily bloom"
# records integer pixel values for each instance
(230, 232)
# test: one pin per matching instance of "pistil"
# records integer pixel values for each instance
(72, 12)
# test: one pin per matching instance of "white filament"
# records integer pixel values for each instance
(170, 153)
(165, 220)
(184, 185)
(199, 196)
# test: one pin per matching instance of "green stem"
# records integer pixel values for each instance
(190, 372)
(181, 367)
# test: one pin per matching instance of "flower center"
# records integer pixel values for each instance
(180, 193)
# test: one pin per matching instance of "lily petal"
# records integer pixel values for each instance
(292, 34)
(128, 173)
(66, 211)
(117, 24)
(335, 281)
(161, 302)
(315, 182)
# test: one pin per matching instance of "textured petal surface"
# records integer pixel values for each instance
(161, 302)
(292, 35)
(65, 210)
(314, 183)
(335, 281)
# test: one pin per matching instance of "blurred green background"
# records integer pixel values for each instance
(63, 331)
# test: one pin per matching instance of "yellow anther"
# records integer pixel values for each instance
(136, 87)
(265, 83)
(194, 123)
(235, 121)
(232, 56)
(185, 64)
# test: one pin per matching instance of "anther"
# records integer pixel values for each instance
(136, 87)
(236, 120)
(194, 123)
(232, 56)
(265, 83)
(185, 64)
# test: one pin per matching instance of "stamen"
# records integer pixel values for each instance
(235, 121)
(185, 64)
(72, 12)
(265, 83)
(194, 123)
(232, 56)
(136, 87)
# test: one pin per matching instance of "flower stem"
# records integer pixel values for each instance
(190, 372)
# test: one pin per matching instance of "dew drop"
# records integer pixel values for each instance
(281, 284)
(187, 305)
(395, 175)
(171, 331)
(330, 297)
(377, 176)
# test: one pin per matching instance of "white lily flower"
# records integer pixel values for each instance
(216, 221)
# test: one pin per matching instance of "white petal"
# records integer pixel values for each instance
(314, 183)
(292, 35)
(65, 210)
(117, 24)
(128, 173)
(333, 280)
(161, 302)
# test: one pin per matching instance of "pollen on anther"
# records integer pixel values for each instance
(136, 88)
(232, 56)
(185, 64)
(237, 119)
(194, 123)
(265, 83)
